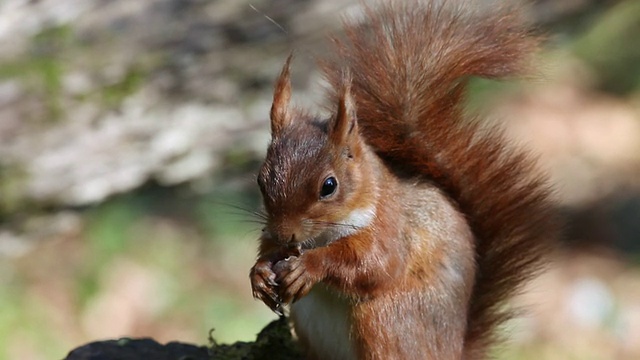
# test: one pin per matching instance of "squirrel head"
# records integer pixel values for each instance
(316, 180)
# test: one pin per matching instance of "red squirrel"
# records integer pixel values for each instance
(397, 227)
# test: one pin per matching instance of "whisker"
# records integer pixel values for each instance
(245, 214)
(252, 221)
(242, 210)
(248, 211)
(309, 243)
(336, 224)
(248, 232)
(269, 18)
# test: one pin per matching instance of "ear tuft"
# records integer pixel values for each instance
(280, 114)
(344, 126)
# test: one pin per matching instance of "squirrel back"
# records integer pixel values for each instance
(408, 66)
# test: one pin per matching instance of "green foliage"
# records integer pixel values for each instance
(481, 93)
(23, 322)
(612, 48)
(109, 227)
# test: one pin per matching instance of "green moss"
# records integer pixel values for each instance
(57, 36)
(13, 180)
(113, 95)
(42, 68)
(42, 76)
(273, 343)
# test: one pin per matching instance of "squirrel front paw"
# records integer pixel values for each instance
(294, 279)
(264, 285)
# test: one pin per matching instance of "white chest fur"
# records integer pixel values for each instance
(357, 220)
(324, 319)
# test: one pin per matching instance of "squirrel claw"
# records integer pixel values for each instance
(293, 278)
(278, 309)
(263, 285)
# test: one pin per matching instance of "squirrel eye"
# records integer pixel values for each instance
(329, 187)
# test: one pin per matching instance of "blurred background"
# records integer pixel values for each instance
(130, 133)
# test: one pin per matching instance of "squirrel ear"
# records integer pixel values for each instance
(280, 115)
(343, 130)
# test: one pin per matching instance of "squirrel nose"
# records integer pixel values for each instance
(285, 232)
(287, 238)
(280, 235)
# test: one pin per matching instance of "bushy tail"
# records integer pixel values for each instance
(409, 63)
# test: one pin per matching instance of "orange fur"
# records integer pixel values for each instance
(435, 221)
